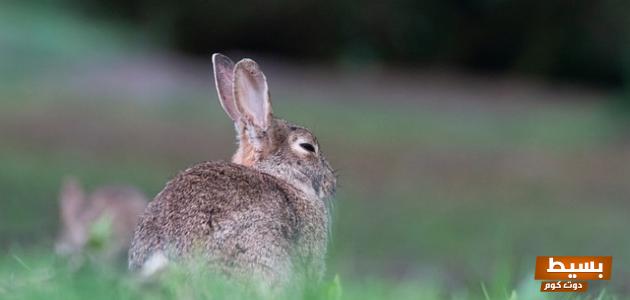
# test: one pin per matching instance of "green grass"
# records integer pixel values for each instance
(43, 276)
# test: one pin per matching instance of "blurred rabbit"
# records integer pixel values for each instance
(264, 216)
(111, 212)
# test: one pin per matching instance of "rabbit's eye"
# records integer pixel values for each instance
(307, 147)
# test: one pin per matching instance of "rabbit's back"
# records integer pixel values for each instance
(241, 219)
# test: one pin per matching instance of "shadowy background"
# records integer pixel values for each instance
(470, 136)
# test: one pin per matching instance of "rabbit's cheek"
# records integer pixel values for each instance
(317, 187)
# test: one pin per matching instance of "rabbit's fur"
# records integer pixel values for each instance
(264, 216)
(119, 206)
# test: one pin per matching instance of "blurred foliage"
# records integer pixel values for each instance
(572, 40)
(100, 233)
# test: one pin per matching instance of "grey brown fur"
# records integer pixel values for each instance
(264, 216)
(122, 205)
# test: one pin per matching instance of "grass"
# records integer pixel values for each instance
(43, 276)
(433, 203)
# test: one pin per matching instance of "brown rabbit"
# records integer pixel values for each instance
(265, 215)
(119, 206)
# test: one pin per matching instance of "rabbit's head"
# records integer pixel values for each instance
(266, 143)
(73, 235)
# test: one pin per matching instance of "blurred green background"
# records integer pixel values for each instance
(470, 136)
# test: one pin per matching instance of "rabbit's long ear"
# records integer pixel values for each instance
(224, 81)
(251, 94)
(71, 200)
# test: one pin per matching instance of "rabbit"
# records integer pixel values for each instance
(119, 206)
(263, 216)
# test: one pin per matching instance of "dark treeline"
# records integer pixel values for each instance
(581, 40)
